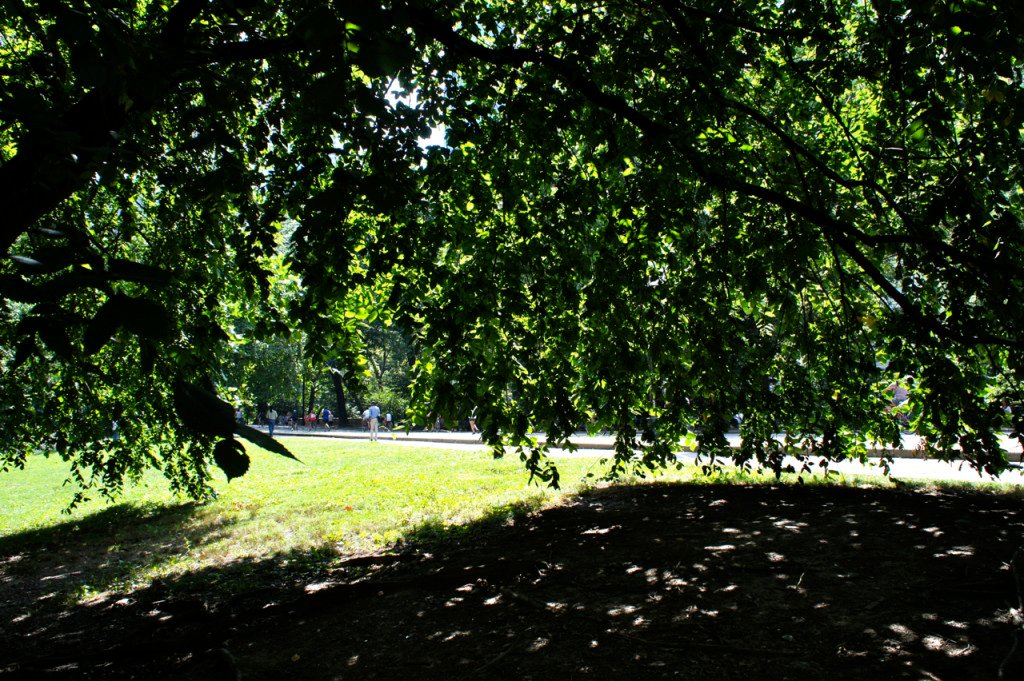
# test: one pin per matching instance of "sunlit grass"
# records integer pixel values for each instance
(344, 498)
(286, 518)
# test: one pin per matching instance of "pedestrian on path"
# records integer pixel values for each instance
(374, 413)
(900, 394)
(271, 420)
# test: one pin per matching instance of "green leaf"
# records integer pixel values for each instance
(25, 349)
(230, 457)
(56, 258)
(384, 56)
(264, 441)
(202, 411)
(14, 287)
(127, 270)
(917, 130)
(140, 316)
(147, 319)
(365, 15)
(27, 264)
(56, 338)
(101, 329)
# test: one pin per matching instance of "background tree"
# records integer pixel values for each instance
(389, 355)
(644, 208)
(267, 373)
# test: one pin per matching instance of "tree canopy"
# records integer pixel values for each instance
(662, 212)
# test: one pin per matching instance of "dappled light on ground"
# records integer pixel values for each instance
(687, 581)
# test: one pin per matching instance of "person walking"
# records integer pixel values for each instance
(472, 422)
(374, 411)
(271, 421)
(900, 394)
(326, 415)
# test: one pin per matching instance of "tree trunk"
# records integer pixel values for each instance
(339, 394)
(312, 397)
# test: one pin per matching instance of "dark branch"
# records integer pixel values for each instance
(843, 233)
(805, 153)
(48, 168)
(247, 50)
(180, 18)
(723, 18)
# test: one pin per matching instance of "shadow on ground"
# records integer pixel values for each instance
(665, 581)
(41, 569)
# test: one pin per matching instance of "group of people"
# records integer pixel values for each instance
(372, 419)
(436, 423)
(272, 419)
(325, 419)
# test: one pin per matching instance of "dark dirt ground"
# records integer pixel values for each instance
(649, 581)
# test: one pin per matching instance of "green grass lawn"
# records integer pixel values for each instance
(282, 523)
(344, 498)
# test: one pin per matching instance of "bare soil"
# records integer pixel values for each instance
(650, 581)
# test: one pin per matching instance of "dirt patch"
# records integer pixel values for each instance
(680, 581)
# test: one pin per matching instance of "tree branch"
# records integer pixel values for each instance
(180, 18)
(723, 18)
(247, 50)
(48, 168)
(800, 150)
(51, 164)
(844, 233)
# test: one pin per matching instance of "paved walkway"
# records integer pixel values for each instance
(908, 462)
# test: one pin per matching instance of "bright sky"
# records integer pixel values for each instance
(436, 137)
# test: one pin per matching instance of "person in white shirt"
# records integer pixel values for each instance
(271, 420)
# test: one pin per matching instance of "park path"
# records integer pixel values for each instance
(907, 461)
